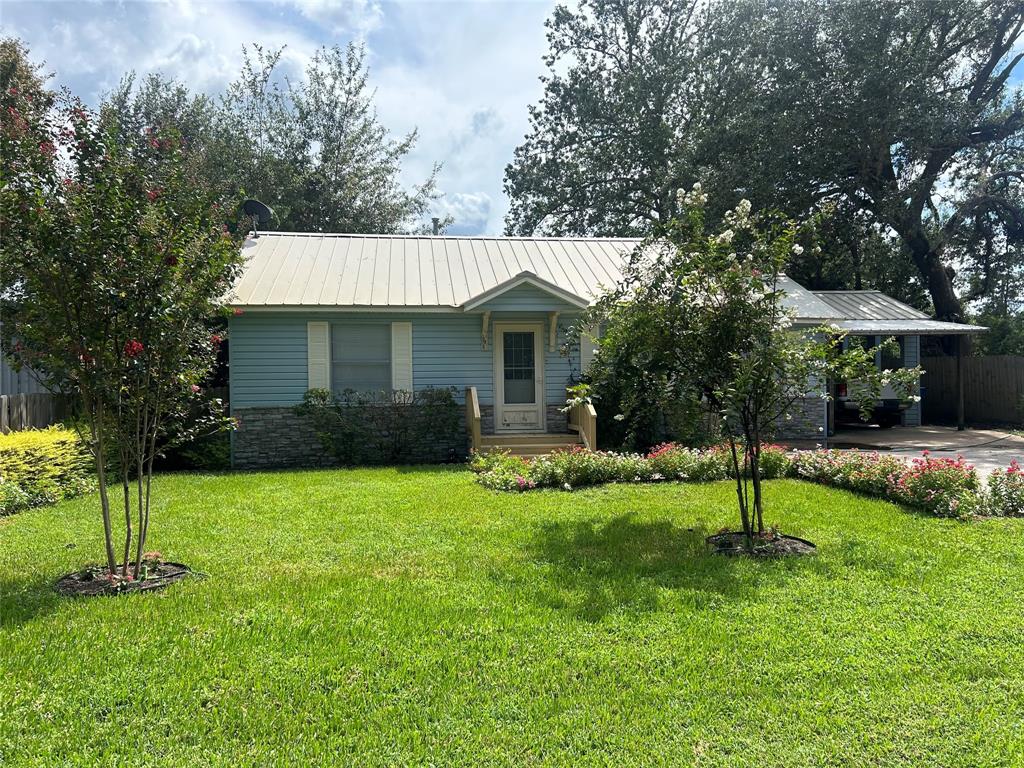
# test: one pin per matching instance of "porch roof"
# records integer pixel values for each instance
(874, 312)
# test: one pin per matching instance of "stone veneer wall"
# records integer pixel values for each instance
(557, 419)
(807, 420)
(278, 437)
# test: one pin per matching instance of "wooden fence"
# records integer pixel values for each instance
(993, 389)
(30, 411)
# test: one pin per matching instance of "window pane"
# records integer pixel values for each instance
(518, 352)
(361, 356)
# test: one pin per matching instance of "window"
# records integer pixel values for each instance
(361, 357)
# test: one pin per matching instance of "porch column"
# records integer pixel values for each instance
(960, 421)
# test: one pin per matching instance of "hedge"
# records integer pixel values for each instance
(41, 466)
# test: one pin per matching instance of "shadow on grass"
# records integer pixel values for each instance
(596, 567)
(24, 601)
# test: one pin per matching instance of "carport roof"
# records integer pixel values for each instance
(875, 312)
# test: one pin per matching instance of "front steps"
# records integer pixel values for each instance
(529, 444)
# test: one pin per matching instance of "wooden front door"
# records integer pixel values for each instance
(518, 377)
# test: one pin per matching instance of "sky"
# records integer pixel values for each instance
(462, 73)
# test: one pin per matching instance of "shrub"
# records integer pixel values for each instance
(385, 427)
(946, 487)
(673, 462)
(1005, 496)
(41, 467)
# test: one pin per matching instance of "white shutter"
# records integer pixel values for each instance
(318, 354)
(401, 356)
(588, 347)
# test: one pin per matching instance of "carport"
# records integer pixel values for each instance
(874, 314)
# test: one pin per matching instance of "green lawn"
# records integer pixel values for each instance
(392, 617)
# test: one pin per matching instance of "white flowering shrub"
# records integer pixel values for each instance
(699, 322)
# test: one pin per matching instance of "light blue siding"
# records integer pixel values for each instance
(526, 298)
(912, 357)
(268, 355)
(267, 365)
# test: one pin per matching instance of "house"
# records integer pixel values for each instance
(487, 316)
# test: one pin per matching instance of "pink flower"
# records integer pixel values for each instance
(195, 388)
(153, 194)
(133, 348)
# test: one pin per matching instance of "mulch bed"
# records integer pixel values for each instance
(92, 581)
(770, 545)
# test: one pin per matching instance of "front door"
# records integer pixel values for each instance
(519, 377)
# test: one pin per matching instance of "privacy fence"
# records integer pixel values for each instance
(30, 411)
(993, 389)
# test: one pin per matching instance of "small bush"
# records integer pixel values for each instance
(945, 487)
(41, 467)
(1005, 497)
(395, 427)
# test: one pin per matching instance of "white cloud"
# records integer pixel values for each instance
(470, 211)
(353, 17)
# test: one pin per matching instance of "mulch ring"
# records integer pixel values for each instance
(94, 580)
(768, 545)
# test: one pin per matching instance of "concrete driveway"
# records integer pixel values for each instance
(986, 449)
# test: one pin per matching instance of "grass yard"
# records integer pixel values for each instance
(393, 617)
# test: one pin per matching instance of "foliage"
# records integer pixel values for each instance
(310, 147)
(940, 486)
(114, 261)
(578, 467)
(392, 427)
(42, 467)
(1005, 335)
(203, 452)
(699, 321)
(629, 90)
(1005, 496)
(945, 487)
(904, 119)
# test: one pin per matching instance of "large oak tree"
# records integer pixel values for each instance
(898, 116)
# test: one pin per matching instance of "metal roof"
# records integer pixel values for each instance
(875, 312)
(916, 327)
(382, 271)
(379, 272)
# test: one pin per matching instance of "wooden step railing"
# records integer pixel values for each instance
(583, 419)
(473, 418)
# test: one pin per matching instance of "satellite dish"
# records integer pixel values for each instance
(260, 214)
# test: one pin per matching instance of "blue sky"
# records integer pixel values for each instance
(461, 72)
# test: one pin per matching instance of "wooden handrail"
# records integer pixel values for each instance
(583, 419)
(473, 418)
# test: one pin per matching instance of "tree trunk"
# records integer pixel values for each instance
(939, 281)
(748, 533)
(101, 473)
(126, 486)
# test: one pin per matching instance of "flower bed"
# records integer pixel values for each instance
(41, 466)
(941, 486)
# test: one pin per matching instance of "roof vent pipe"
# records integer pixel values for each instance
(437, 226)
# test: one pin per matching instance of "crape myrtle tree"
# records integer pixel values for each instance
(700, 317)
(114, 257)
